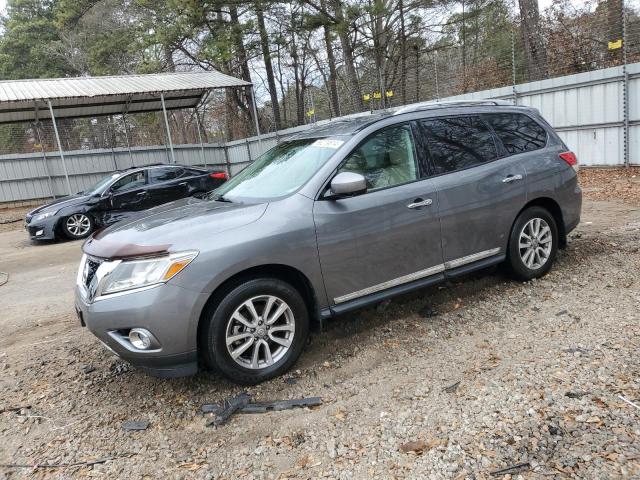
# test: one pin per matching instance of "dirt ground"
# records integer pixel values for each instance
(462, 380)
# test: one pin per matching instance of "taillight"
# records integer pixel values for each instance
(219, 175)
(570, 158)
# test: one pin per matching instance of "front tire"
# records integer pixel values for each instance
(256, 332)
(77, 226)
(533, 244)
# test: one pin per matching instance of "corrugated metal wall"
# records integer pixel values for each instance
(586, 109)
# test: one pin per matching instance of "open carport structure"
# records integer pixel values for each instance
(58, 98)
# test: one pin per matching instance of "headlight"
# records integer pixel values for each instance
(130, 274)
(42, 216)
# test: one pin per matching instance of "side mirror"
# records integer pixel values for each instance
(348, 183)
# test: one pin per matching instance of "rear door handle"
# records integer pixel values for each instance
(141, 193)
(418, 202)
(182, 184)
(511, 178)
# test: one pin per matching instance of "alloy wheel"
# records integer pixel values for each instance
(260, 332)
(535, 243)
(78, 224)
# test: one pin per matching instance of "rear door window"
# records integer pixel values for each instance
(456, 143)
(517, 132)
(164, 174)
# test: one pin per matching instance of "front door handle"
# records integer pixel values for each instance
(141, 193)
(511, 178)
(182, 184)
(418, 202)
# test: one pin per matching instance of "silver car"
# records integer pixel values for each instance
(330, 220)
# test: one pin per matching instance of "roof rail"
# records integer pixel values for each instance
(451, 103)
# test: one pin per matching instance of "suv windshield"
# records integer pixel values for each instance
(280, 171)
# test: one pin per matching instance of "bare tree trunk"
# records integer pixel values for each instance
(403, 55)
(333, 74)
(535, 53)
(266, 53)
(244, 99)
(614, 28)
(298, 85)
(347, 51)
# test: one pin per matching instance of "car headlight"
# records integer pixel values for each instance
(133, 274)
(42, 216)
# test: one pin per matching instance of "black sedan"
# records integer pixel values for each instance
(117, 197)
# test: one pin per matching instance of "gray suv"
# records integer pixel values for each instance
(330, 220)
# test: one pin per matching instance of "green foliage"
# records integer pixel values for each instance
(30, 44)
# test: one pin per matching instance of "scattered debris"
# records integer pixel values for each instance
(135, 425)
(417, 447)
(65, 465)
(427, 312)
(14, 409)
(451, 388)
(562, 312)
(625, 399)
(228, 408)
(512, 469)
(88, 369)
(242, 404)
(4, 278)
(291, 381)
(576, 394)
(576, 350)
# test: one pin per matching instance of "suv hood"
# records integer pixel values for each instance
(178, 225)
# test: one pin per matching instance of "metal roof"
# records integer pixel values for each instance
(26, 100)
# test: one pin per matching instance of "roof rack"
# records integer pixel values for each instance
(450, 103)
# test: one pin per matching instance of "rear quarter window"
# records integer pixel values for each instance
(518, 133)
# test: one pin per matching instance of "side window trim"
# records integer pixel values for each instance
(429, 157)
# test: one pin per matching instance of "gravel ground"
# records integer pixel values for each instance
(458, 381)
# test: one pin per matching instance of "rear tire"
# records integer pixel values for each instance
(77, 226)
(242, 339)
(533, 244)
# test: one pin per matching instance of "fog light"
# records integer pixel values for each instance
(39, 232)
(140, 338)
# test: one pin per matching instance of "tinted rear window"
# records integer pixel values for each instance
(457, 143)
(518, 133)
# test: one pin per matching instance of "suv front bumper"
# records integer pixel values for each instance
(171, 313)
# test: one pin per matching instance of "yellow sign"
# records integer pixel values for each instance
(311, 112)
(366, 97)
(389, 93)
(615, 45)
(377, 95)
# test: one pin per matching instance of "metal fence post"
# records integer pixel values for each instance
(513, 67)
(166, 124)
(225, 149)
(55, 130)
(248, 149)
(625, 88)
(44, 156)
(198, 126)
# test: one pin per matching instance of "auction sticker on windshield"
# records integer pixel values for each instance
(327, 143)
